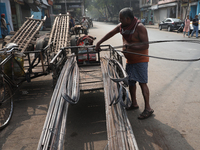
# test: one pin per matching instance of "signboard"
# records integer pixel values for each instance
(57, 6)
(74, 6)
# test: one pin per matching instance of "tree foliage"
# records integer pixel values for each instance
(105, 8)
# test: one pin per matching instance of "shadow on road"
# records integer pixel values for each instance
(151, 134)
(31, 102)
(86, 123)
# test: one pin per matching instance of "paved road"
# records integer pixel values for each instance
(174, 88)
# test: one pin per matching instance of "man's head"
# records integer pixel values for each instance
(196, 16)
(3, 15)
(126, 16)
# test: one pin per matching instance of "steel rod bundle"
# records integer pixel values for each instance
(52, 136)
(119, 131)
(26, 34)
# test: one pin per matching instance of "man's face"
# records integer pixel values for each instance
(124, 21)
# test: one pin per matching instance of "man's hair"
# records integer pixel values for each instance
(127, 12)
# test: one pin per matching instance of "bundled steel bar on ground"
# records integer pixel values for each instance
(119, 130)
(54, 127)
(26, 34)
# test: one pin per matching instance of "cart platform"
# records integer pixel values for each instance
(90, 78)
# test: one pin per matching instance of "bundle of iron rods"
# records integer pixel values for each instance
(52, 136)
(119, 131)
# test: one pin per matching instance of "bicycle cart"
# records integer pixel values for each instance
(82, 73)
(28, 55)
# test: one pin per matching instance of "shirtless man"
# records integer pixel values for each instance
(137, 66)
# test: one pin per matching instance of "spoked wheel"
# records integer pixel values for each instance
(6, 104)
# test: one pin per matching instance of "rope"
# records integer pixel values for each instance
(153, 42)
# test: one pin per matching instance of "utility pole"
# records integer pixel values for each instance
(66, 6)
(187, 9)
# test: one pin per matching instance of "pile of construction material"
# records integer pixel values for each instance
(119, 131)
(66, 90)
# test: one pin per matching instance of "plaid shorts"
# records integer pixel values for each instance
(137, 73)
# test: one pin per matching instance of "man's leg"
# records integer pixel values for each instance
(132, 90)
(193, 31)
(145, 93)
(197, 30)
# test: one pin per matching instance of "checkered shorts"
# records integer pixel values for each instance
(137, 73)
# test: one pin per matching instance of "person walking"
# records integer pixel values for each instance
(71, 22)
(132, 32)
(84, 23)
(195, 23)
(187, 27)
(4, 29)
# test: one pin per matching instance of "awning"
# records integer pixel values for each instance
(167, 5)
(45, 2)
(154, 7)
(193, 3)
(75, 6)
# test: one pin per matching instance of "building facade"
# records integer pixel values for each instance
(17, 10)
(155, 11)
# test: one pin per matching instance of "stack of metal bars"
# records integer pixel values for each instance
(26, 34)
(52, 136)
(59, 32)
(119, 131)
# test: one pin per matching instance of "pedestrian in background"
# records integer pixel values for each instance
(187, 27)
(72, 22)
(195, 23)
(4, 29)
(84, 23)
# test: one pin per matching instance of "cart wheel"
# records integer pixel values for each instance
(6, 104)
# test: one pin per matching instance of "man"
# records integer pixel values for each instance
(133, 32)
(84, 23)
(4, 29)
(71, 22)
(195, 23)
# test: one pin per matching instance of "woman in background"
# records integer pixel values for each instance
(187, 27)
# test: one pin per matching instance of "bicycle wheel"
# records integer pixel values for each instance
(6, 104)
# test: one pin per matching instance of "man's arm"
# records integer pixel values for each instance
(108, 36)
(143, 37)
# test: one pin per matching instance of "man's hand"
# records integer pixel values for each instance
(97, 47)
